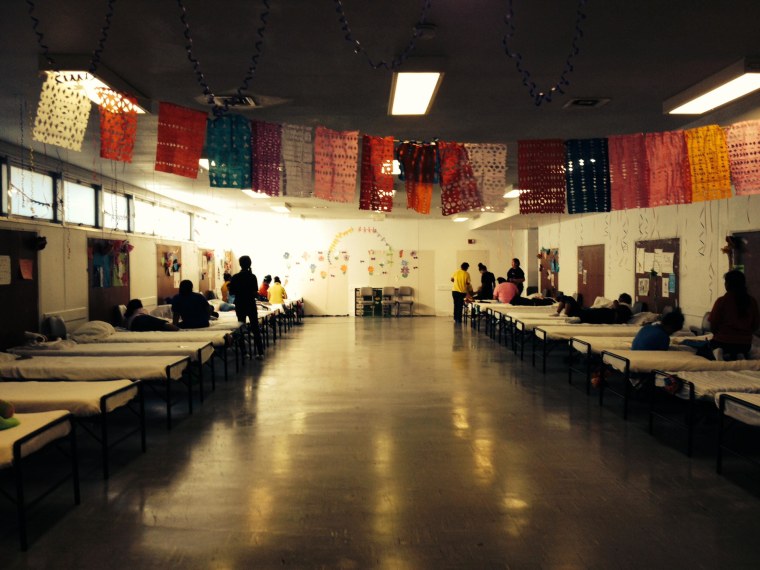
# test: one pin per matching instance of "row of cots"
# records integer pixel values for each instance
(83, 380)
(602, 356)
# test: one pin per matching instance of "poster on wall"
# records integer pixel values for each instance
(643, 286)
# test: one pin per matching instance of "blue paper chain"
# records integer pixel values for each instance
(397, 60)
(536, 94)
(201, 77)
(104, 31)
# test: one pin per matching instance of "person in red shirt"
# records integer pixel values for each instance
(264, 288)
(734, 318)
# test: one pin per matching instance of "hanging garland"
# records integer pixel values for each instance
(95, 60)
(201, 77)
(399, 59)
(537, 95)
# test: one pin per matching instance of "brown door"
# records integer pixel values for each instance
(169, 262)
(590, 273)
(108, 274)
(18, 285)
(746, 256)
(549, 272)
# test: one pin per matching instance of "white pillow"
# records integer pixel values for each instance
(643, 318)
(602, 303)
(92, 331)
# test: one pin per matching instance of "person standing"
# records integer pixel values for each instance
(734, 319)
(245, 287)
(516, 275)
(487, 282)
(461, 288)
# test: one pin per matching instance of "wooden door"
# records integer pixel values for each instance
(590, 273)
(18, 285)
(548, 270)
(108, 276)
(745, 255)
(206, 281)
(168, 271)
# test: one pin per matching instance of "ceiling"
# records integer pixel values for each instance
(636, 54)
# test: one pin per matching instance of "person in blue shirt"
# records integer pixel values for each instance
(657, 335)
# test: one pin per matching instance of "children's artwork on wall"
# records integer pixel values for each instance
(334, 245)
(413, 254)
(344, 268)
(323, 274)
(371, 269)
(313, 267)
(404, 268)
(643, 286)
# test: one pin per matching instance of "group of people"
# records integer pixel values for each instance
(734, 318)
(507, 290)
(191, 310)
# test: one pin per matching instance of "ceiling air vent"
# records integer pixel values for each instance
(237, 101)
(242, 102)
(586, 103)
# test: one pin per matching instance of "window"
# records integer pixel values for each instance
(31, 194)
(79, 203)
(115, 211)
(174, 224)
(145, 217)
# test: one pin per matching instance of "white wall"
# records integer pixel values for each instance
(288, 247)
(701, 227)
(324, 260)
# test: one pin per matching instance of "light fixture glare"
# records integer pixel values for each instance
(412, 93)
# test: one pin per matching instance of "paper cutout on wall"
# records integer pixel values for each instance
(297, 160)
(228, 144)
(118, 125)
(336, 155)
(743, 140)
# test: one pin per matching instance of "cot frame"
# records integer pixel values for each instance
(723, 427)
(17, 468)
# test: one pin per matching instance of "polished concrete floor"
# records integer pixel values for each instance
(399, 444)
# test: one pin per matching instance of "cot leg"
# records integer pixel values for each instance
(168, 404)
(200, 379)
(626, 393)
(20, 507)
(721, 428)
(74, 463)
(104, 443)
(141, 403)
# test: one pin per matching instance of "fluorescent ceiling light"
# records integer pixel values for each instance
(413, 93)
(460, 219)
(255, 195)
(734, 82)
(95, 89)
(280, 208)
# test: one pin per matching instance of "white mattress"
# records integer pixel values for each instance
(28, 424)
(80, 398)
(566, 332)
(89, 368)
(215, 337)
(514, 310)
(121, 349)
(530, 323)
(614, 343)
(743, 413)
(674, 360)
(709, 383)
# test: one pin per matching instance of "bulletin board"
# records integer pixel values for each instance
(108, 277)
(548, 269)
(657, 281)
(168, 271)
(18, 285)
